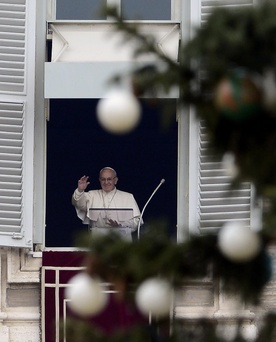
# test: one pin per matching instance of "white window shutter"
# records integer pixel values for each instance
(12, 46)
(11, 171)
(217, 203)
(16, 123)
(207, 6)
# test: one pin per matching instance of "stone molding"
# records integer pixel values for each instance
(23, 266)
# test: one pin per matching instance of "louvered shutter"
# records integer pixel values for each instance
(16, 104)
(12, 46)
(11, 168)
(207, 6)
(217, 202)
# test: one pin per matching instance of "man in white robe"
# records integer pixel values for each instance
(103, 210)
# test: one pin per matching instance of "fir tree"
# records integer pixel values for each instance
(224, 72)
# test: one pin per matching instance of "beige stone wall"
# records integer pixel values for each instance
(20, 295)
(20, 289)
(204, 298)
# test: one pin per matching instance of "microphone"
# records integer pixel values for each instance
(139, 224)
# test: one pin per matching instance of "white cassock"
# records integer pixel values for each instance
(96, 207)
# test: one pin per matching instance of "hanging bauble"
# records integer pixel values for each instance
(154, 296)
(86, 295)
(238, 97)
(229, 165)
(238, 243)
(119, 112)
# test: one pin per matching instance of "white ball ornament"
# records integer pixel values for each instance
(86, 295)
(119, 112)
(154, 296)
(238, 243)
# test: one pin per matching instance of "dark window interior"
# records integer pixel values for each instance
(77, 145)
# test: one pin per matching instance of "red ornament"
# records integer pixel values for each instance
(238, 97)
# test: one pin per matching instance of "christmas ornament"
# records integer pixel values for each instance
(154, 296)
(238, 243)
(238, 97)
(86, 295)
(119, 112)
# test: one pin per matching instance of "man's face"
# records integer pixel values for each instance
(108, 180)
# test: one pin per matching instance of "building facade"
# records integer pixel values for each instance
(47, 53)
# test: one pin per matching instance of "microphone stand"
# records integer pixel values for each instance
(140, 220)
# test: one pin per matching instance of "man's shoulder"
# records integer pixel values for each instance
(121, 192)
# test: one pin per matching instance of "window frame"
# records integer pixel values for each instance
(190, 17)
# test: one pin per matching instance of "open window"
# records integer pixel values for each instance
(84, 56)
(78, 145)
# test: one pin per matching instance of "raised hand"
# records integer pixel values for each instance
(83, 183)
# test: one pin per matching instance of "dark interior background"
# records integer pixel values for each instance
(77, 145)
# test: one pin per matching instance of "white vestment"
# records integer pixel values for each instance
(115, 199)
